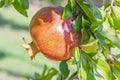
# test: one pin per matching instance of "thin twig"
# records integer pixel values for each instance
(111, 5)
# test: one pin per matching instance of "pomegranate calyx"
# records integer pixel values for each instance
(31, 48)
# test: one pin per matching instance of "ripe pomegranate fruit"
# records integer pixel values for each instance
(52, 35)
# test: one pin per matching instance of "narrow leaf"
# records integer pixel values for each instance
(51, 73)
(73, 4)
(103, 69)
(76, 54)
(100, 38)
(86, 67)
(89, 14)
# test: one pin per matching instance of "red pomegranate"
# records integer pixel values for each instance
(52, 35)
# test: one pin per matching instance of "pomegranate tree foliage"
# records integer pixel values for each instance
(100, 28)
(20, 5)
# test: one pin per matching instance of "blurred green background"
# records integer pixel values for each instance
(14, 61)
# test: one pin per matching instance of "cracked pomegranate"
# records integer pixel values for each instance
(52, 35)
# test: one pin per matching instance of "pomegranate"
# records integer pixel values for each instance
(52, 35)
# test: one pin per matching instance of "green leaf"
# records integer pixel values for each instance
(82, 74)
(110, 20)
(71, 77)
(110, 34)
(76, 24)
(76, 52)
(19, 8)
(2, 3)
(118, 33)
(85, 71)
(67, 13)
(117, 65)
(25, 4)
(89, 14)
(64, 69)
(103, 69)
(106, 52)
(116, 73)
(100, 38)
(117, 2)
(44, 71)
(86, 37)
(116, 16)
(73, 4)
(85, 23)
(51, 73)
(91, 47)
(95, 10)
(118, 56)
(9, 1)
(47, 74)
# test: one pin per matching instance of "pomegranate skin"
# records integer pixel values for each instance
(54, 37)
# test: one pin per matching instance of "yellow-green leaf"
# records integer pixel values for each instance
(91, 47)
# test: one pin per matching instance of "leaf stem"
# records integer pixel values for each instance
(111, 4)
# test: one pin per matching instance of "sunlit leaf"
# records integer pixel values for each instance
(9, 1)
(110, 34)
(117, 2)
(76, 52)
(118, 33)
(117, 65)
(106, 52)
(116, 73)
(118, 56)
(85, 23)
(85, 71)
(116, 16)
(91, 47)
(71, 77)
(110, 20)
(73, 4)
(103, 69)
